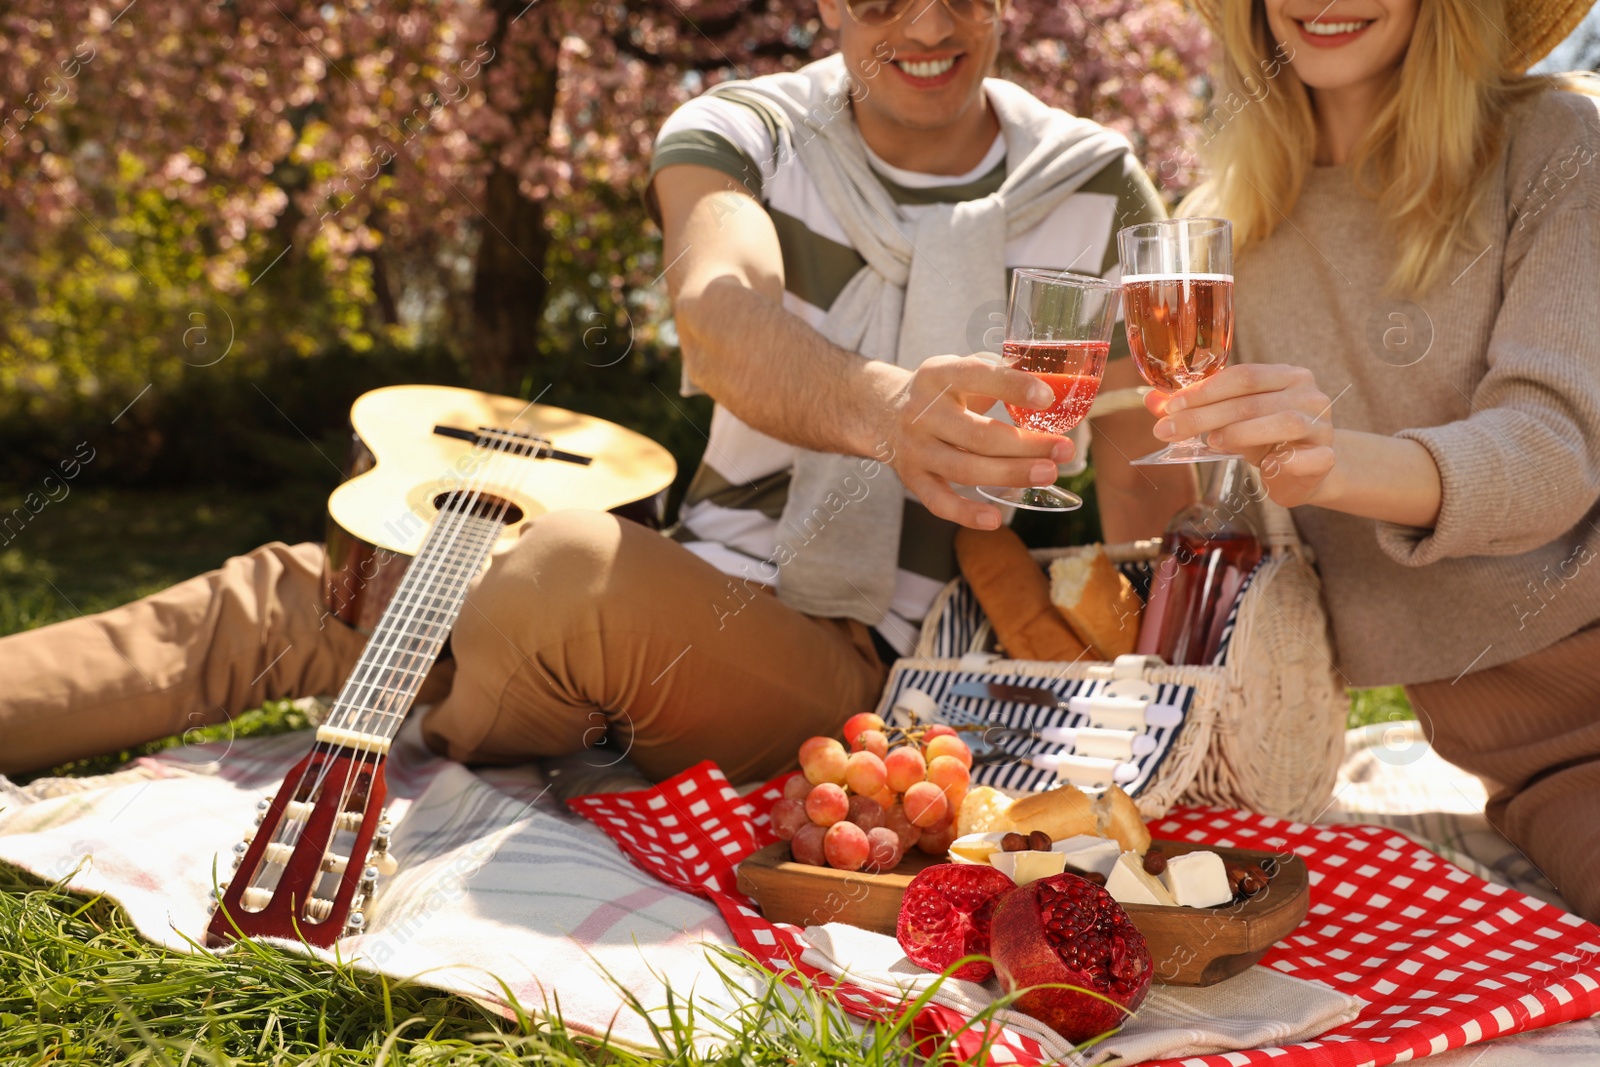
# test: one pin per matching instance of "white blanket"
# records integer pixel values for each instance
(496, 878)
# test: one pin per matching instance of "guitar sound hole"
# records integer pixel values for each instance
(486, 506)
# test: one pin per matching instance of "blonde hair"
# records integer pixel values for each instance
(1427, 158)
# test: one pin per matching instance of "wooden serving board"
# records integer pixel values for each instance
(1190, 946)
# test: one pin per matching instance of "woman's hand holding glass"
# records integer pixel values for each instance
(1272, 414)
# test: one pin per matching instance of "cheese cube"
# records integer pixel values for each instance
(1197, 880)
(1025, 867)
(1085, 852)
(1130, 883)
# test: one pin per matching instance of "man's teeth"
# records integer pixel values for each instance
(930, 69)
(1331, 29)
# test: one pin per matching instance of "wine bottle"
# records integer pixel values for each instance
(1207, 551)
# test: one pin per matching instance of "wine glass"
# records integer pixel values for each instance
(1058, 328)
(1177, 289)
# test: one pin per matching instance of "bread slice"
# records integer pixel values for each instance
(1117, 817)
(985, 810)
(1015, 595)
(1097, 602)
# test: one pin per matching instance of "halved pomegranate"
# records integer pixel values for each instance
(1065, 930)
(945, 915)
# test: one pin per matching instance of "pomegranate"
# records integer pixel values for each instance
(1063, 929)
(945, 914)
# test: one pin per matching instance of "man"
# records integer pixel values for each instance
(868, 205)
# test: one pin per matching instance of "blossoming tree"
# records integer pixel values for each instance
(460, 168)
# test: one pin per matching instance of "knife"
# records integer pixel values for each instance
(1109, 711)
(1010, 694)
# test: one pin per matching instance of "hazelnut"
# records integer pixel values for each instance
(1269, 866)
(1013, 842)
(1236, 877)
(1254, 880)
(1155, 861)
(1093, 877)
(1039, 841)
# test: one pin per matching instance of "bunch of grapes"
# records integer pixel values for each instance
(863, 807)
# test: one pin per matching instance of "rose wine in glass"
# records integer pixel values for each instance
(1058, 328)
(1072, 369)
(1177, 287)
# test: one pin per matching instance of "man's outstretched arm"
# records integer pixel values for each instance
(780, 376)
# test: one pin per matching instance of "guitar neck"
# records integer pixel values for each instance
(411, 632)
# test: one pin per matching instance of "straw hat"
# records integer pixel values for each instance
(1537, 26)
(1534, 26)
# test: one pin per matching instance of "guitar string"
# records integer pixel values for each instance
(489, 527)
(292, 826)
(461, 516)
(460, 520)
(493, 528)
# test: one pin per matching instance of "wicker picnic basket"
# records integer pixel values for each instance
(1265, 729)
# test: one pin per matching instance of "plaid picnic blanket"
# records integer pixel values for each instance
(1442, 958)
(497, 880)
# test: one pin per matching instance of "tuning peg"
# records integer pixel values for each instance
(264, 803)
(356, 923)
(385, 864)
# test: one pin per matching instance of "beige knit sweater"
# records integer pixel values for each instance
(1496, 371)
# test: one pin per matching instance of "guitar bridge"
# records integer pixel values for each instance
(514, 442)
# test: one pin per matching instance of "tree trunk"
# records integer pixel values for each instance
(509, 285)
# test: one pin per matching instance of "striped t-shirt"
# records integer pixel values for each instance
(731, 511)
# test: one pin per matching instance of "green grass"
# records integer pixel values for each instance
(78, 986)
(1388, 704)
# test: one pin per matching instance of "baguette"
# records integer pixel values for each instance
(1097, 602)
(1062, 812)
(1015, 595)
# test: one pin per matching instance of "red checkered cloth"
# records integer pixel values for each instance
(1442, 958)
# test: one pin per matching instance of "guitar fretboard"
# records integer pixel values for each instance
(413, 628)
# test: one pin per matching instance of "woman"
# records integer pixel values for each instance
(1417, 290)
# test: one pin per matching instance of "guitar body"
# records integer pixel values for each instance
(400, 469)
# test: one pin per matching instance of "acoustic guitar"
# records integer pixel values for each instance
(441, 480)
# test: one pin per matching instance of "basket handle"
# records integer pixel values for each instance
(1279, 531)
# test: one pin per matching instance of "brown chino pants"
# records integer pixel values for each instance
(590, 627)
(1531, 727)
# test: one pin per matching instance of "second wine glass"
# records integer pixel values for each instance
(1177, 284)
(1058, 328)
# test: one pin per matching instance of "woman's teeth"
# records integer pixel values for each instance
(930, 69)
(1333, 29)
